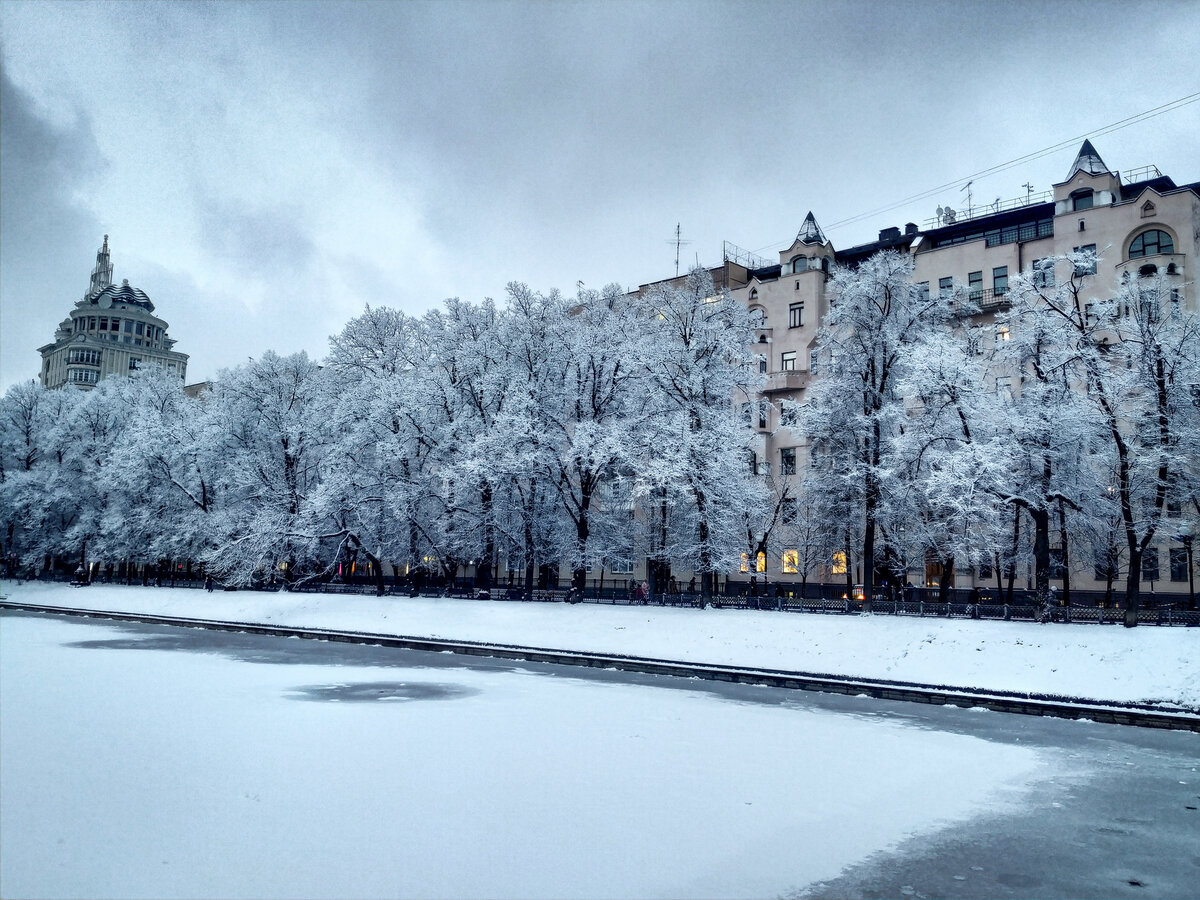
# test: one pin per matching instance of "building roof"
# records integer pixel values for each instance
(810, 231)
(117, 294)
(1087, 160)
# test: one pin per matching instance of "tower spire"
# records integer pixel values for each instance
(102, 273)
(810, 231)
(1089, 161)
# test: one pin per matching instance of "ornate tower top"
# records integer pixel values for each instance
(1089, 161)
(102, 273)
(810, 231)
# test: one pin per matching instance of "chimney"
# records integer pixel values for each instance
(910, 228)
(889, 234)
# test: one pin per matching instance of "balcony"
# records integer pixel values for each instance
(987, 299)
(786, 382)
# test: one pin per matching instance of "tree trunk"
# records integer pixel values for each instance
(947, 580)
(483, 571)
(1012, 561)
(1066, 556)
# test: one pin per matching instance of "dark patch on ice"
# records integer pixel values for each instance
(374, 691)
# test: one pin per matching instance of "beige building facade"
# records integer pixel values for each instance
(112, 331)
(1139, 222)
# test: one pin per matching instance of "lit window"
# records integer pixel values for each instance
(1151, 243)
(760, 563)
(791, 562)
(1003, 334)
(745, 566)
(795, 315)
(839, 563)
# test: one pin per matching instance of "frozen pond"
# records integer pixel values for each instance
(158, 762)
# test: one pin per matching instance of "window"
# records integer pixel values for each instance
(1151, 243)
(115, 325)
(788, 511)
(1081, 200)
(975, 284)
(1147, 209)
(799, 264)
(923, 291)
(945, 286)
(1003, 334)
(134, 364)
(812, 362)
(1089, 314)
(985, 570)
(973, 345)
(1004, 387)
(1056, 562)
(1086, 266)
(787, 361)
(622, 565)
(91, 323)
(791, 562)
(1179, 564)
(745, 566)
(138, 330)
(129, 326)
(762, 365)
(753, 293)
(788, 414)
(1043, 272)
(1000, 280)
(839, 563)
(762, 413)
(795, 315)
(1106, 565)
(787, 461)
(1150, 564)
(760, 563)
(753, 463)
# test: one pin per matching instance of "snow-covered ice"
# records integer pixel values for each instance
(160, 773)
(1104, 663)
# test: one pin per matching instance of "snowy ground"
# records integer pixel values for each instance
(1105, 663)
(256, 766)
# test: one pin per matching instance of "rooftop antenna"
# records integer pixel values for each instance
(678, 242)
(1028, 191)
(967, 187)
(940, 213)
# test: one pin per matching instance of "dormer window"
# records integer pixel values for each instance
(1151, 243)
(1081, 200)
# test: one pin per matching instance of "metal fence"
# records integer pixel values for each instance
(823, 599)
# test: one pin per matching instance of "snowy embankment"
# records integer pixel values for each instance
(1102, 663)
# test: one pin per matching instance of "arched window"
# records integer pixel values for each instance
(758, 317)
(753, 293)
(799, 264)
(1151, 243)
(1081, 200)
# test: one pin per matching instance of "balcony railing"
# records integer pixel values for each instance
(789, 380)
(987, 299)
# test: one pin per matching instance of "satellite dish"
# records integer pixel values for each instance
(105, 301)
(940, 212)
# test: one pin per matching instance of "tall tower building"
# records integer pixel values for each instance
(111, 331)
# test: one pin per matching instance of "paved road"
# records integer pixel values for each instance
(1121, 821)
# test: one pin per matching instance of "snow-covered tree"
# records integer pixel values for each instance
(877, 320)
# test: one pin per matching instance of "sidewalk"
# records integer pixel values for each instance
(1106, 664)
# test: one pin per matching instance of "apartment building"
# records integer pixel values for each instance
(1139, 222)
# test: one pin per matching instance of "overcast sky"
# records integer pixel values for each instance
(265, 170)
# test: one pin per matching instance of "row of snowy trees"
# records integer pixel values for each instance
(605, 428)
(546, 430)
(1080, 420)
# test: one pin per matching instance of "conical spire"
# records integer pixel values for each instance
(1088, 161)
(810, 231)
(102, 273)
